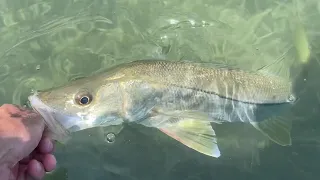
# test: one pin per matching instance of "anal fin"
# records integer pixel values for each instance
(195, 134)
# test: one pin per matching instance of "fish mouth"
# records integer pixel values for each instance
(58, 124)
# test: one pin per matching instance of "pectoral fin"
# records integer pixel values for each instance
(195, 134)
(278, 129)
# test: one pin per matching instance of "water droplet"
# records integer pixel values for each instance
(110, 137)
(38, 67)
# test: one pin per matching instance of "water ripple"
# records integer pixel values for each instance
(4, 72)
(26, 85)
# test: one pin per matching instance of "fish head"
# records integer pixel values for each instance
(83, 103)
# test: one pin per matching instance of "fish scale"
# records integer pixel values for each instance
(246, 86)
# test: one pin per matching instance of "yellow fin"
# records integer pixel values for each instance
(278, 129)
(301, 43)
(195, 134)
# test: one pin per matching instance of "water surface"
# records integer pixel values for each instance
(45, 43)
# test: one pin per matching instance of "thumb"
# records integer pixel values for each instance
(34, 127)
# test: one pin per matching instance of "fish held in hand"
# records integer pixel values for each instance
(181, 99)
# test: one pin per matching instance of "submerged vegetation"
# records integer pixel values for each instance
(47, 43)
(66, 39)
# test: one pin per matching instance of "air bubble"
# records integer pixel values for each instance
(291, 98)
(110, 137)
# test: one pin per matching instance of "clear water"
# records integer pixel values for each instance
(45, 43)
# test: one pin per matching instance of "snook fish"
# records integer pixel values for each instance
(181, 99)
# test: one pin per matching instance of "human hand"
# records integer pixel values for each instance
(24, 152)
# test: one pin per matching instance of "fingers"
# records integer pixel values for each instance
(37, 167)
(48, 161)
(45, 145)
(43, 155)
(14, 109)
(10, 107)
(28, 118)
(35, 170)
(18, 111)
(40, 161)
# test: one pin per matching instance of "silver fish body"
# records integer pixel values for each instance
(142, 99)
(179, 98)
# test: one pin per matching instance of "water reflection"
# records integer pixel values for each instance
(70, 38)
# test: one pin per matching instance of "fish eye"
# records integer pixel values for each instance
(83, 98)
